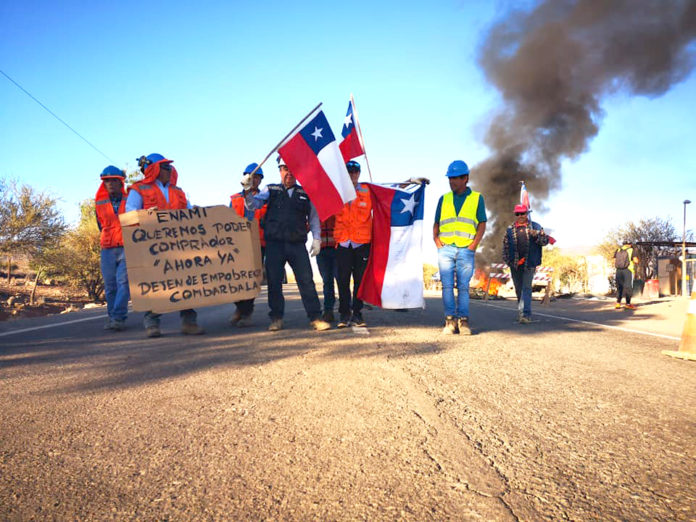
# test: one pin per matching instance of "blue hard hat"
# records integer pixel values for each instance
(144, 161)
(154, 158)
(250, 168)
(457, 168)
(112, 172)
(353, 165)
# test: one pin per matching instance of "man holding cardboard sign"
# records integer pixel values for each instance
(158, 190)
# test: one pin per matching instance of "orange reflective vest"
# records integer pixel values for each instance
(354, 222)
(237, 203)
(153, 197)
(111, 235)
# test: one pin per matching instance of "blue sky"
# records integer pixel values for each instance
(215, 85)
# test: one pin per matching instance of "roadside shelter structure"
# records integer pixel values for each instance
(661, 261)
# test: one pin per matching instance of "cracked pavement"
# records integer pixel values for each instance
(554, 420)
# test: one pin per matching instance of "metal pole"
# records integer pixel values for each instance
(684, 290)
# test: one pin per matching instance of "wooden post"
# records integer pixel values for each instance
(36, 282)
(547, 295)
(488, 285)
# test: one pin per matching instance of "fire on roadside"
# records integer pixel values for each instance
(484, 283)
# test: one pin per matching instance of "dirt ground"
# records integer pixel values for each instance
(49, 300)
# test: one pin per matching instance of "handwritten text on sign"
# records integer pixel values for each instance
(189, 258)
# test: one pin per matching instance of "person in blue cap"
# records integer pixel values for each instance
(244, 308)
(159, 190)
(110, 201)
(460, 222)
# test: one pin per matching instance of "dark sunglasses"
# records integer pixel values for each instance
(520, 213)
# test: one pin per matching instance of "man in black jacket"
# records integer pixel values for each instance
(522, 253)
(289, 214)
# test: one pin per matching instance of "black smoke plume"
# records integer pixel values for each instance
(553, 65)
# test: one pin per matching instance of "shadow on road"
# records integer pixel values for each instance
(90, 359)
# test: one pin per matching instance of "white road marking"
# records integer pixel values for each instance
(33, 329)
(621, 329)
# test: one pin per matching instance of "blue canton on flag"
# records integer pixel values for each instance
(317, 133)
(348, 122)
(407, 207)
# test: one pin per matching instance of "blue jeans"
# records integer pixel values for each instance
(277, 254)
(460, 261)
(113, 269)
(326, 262)
(522, 279)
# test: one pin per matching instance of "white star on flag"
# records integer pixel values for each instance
(348, 121)
(317, 133)
(409, 204)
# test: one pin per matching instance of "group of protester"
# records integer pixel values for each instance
(157, 189)
(341, 244)
(285, 214)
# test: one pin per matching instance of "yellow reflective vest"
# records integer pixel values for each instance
(459, 230)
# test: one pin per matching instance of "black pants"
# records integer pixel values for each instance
(624, 284)
(246, 306)
(277, 254)
(350, 262)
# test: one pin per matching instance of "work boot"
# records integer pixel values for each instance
(235, 317)
(320, 325)
(153, 331)
(276, 324)
(118, 326)
(108, 325)
(328, 316)
(525, 320)
(191, 329)
(463, 326)
(343, 321)
(244, 322)
(357, 320)
(451, 326)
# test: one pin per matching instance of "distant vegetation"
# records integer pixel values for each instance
(647, 229)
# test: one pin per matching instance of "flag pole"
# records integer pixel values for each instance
(362, 141)
(285, 138)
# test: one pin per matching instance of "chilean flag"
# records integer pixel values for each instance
(394, 274)
(312, 155)
(524, 200)
(350, 146)
(524, 197)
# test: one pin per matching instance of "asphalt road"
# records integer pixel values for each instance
(560, 419)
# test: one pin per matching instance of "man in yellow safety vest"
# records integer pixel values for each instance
(460, 222)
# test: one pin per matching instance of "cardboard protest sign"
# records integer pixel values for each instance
(179, 259)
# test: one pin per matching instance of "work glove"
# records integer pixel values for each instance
(246, 181)
(316, 247)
